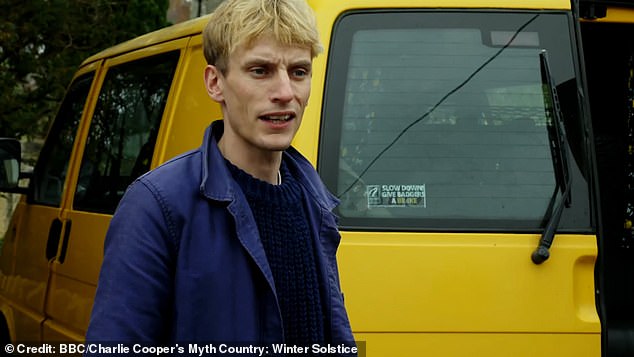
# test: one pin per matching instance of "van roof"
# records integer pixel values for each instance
(183, 29)
(195, 26)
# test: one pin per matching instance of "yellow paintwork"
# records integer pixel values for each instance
(479, 344)
(182, 30)
(617, 14)
(24, 270)
(408, 294)
(469, 282)
(186, 122)
(25, 281)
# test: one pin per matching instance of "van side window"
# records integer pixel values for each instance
(438, 121)
(123, 130)
(50, 171)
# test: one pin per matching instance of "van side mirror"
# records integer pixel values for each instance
(9, 165)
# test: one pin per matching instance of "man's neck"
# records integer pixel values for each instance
(261, 165)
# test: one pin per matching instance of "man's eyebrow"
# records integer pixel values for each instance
(302, 63)
(261, 61)
(257, 61)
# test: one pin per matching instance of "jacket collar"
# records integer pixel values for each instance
(216, 183)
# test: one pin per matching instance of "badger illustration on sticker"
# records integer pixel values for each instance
(404, 196)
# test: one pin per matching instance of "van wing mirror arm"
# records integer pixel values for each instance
(10, 174)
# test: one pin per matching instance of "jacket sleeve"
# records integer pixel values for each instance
(133, 302)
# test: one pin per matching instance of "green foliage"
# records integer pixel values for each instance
(42, 42)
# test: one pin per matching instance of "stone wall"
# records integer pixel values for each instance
(7, 205)
(30, 151)
(182, 10)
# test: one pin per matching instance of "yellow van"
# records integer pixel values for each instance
(482, 151)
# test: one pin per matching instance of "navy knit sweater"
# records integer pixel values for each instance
(286, 237)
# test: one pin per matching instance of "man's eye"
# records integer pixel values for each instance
(259, 71)
(300, 73)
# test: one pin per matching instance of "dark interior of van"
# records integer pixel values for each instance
(609, 60)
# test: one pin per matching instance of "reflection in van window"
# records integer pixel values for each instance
(50, 173)
(123, 130)
(437, 124)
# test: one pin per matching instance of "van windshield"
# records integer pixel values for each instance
(438, 120)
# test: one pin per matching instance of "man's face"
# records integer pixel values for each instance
(263, 93)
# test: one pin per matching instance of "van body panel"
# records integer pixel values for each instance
(428, 281)
(30, 240)
(53, 331)
(74, 275)
(144, 52)
(185, 123)
(614, 15)
(68, 307)
(469, 283)
(185, 29)
(480, 344)
(25, 284)
(73, 282)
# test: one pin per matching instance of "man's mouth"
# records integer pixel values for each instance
(277, 118)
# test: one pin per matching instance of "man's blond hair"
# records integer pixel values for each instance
(238, 22)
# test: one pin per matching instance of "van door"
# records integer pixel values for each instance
(118, 146)
(437, 136)
(37, 224)
(608, 45)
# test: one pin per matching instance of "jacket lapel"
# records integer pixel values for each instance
(218, 185)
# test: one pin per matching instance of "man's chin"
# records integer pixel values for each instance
(278, 144)
(278, 148)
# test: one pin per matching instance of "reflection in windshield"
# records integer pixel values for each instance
(450, 103)
(441, 101)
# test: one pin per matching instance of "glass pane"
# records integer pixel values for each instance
(442, 122)
(123, 130)
(52, 166)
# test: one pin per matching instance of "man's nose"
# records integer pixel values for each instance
(282, 90)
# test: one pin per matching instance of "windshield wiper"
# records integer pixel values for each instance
(558, 150)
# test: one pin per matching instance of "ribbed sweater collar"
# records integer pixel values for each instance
(257, 189)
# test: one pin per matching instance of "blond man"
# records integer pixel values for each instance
(234, 242)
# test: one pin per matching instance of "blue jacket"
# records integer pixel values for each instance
(183, 260)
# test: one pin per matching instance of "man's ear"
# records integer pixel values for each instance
(212, 83)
